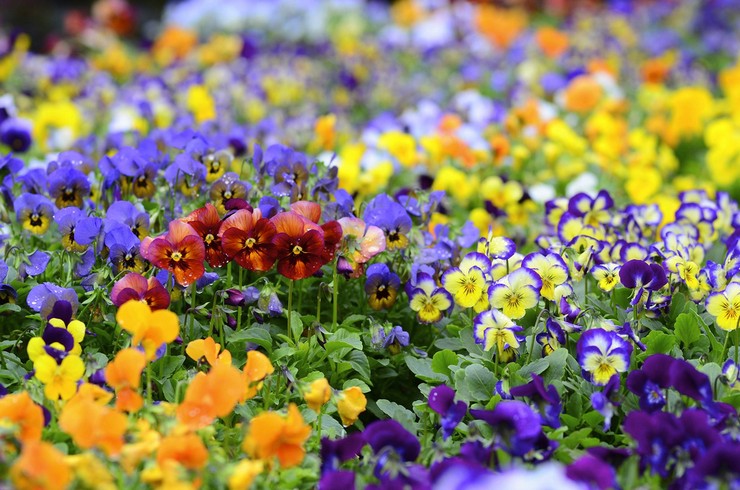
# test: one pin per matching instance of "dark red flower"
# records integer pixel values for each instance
(180, 251)
(299, 244)
(247, 238)
(207, 223)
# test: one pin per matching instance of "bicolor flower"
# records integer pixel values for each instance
(427, 300)
(246, 237)
(498, 247)
(724, 306)
(552, 338)
(493, 328)
(226, 188)
(602, 354)
(68, 186)
(392, 218)
(134, 286)
(516, 292)
(361, 243)
(300, 245)
(181, 251)
(594, 211)
(34, 212)
(606, 275)
(381, 286)
(467, 282)
(551, 269)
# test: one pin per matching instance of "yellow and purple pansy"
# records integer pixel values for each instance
(602, 354)
(516, 292)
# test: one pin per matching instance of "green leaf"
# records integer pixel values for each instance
(343, 339)
(687, 329)
(398, 413)
(555, 365)
(9, 307)
(659, 342)
(422, 368)
(442, 360)
(296, 325)
(255, 335)
(480, 383)
(165, 367)
(358, 360)
(352, 319)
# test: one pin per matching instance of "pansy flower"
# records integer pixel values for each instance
(124, 250)
(211, 395)
(123, 374)
(381, 286)
(392, 218)
(467, 282)
(246, 237)
(68, 186)
(59, 377)
(605, 402)
(181, 251)
(551, 269)
(351, 402)
(641, 276)
(515, 423)
(127, 214)
(216, 164)
(361, 243)
(134, 286)
(516, 292)
(493, 328)
(552, 338)
(650, 381)
(724, 306)
(67, 219)
(546, 397)
(271, 435)
(226, 188)
(442, 401)
(16, 133)
(150, 329)
(427, 299)
(34, 212)
(395, 448)
(606, 275)
(602, 354)
(300, 245)
(206, 222)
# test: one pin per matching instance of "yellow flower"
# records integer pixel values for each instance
(60, 380)
(244, 474)
(318, 394)
(325, 129)
(56, 125)
(401, 145)
(351, 404)
(200, 103)
(91, 471)
(150, 329)
(725, 306)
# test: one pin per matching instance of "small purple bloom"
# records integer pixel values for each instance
(442, 401)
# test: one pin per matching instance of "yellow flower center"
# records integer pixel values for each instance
(209, 238)
(249, 243)
(176, 256)
(297, 250)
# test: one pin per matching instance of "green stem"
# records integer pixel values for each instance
(318, 423)
(191, 313)
(335, 298)
(724, 346)
(228, 275)
(318, 307)
(737, 341)
(240, 308)
(290, 309)
(149, 384)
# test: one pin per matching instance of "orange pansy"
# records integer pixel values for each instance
(19, 409)
(256, 369)
(273, 435)
(207, 348)
(211, 395)
(40, 467)
(186, 449)
(123, 374)
(93, 425)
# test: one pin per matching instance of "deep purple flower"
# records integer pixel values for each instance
(389, 434)
(604, 401)
(650, 380)
(335, 452)
(442, 401)
(547, 398)
(68, 186)
(656, 434)
(16, 133)
(639, 275)
(396, 339)
(515, 422)
(43, 297)
(337, 480)
(592, 471)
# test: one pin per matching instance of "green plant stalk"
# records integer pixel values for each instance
(239, 309)
(290, 309)
(149, 384)
(335, 298)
